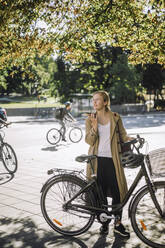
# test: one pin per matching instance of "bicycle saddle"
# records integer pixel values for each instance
(85, 158)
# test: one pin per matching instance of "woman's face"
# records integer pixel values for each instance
(98, 102)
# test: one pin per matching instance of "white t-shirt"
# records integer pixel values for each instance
(104, 148)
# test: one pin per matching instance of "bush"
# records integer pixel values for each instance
(159, 104)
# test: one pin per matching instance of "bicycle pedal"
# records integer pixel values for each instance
(104, 217)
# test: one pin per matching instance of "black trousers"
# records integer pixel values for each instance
(64, 128)
(106, 177)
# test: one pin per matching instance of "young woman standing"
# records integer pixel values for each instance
(104, 129)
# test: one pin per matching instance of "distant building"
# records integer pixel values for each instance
(81, 103)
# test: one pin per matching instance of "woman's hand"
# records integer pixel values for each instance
(93, 119)
(130, 138)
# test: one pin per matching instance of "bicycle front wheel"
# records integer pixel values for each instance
(146, 221)
(53, 136)
(69, 220)
(75, 134)
(9, 158)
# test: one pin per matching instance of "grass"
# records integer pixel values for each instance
(28, 102)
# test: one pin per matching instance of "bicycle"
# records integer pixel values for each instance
(70, 203)
(7, 153)
(54, 135)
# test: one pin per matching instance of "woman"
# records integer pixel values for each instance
(104, 129)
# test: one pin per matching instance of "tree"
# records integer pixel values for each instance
(20, 36)
(99, 67)
(29, 81)
(17, 80)
(72, 27)
(123, 24)
(65, 80)
(109, 70)
(126, 82)
(3, 85)
(153, 79)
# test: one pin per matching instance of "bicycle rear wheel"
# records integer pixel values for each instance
(75, 134)
(71, 220)
(146, 221)
(53, 136)
(9, 158)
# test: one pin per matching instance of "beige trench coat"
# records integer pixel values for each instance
(92, 139)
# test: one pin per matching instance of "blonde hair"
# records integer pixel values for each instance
(105, 96)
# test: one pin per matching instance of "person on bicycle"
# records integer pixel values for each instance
(3, 116)
(102, 136)
(3, 120)
(65, 115)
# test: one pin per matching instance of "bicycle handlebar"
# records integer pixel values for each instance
(134, 141)
(5, 124)
(140, 140)
(129, 142)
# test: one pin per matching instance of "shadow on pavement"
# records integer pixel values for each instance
(50, 148)
(60, 241)
(24, 233)
(5, 178)
(101, 242)
(55, 148)
(117, 243)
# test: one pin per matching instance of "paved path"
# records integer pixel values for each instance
(21, 222)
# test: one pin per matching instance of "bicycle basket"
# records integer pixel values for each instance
(156, 162)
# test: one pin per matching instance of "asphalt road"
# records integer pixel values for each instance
(30, 137)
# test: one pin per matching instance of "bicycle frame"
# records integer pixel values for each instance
(104, 208)
(68, 124)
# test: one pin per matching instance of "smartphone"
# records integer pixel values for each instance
(89, 113)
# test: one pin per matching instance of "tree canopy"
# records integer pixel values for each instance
(73, 26)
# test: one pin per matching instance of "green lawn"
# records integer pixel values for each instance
(28, 102)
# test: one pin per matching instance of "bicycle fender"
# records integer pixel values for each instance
(46, 183)
(56, 176)
(138, 192)
(133, 198)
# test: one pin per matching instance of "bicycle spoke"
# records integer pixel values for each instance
(9, 158)
(63, 219)
(75, 134)
(163, 207)
(146, 220)
(53, 136)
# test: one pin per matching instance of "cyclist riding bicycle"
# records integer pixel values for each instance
(3, 120)
(3, 116)
(64, 114)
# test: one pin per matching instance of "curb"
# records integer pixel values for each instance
(26, 119)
